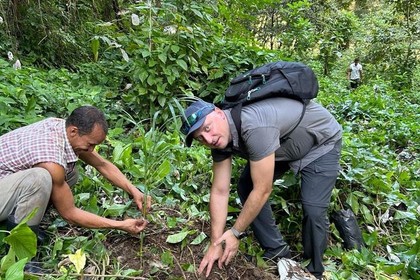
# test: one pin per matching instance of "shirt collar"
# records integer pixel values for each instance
(232, 128)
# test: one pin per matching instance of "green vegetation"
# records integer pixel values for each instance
(138, 60)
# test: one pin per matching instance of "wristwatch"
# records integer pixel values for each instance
(237, 234)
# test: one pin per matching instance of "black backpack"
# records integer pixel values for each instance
(293, 80)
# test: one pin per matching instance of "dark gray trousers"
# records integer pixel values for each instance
(317, 182)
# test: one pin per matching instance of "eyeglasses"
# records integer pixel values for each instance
(192, 120)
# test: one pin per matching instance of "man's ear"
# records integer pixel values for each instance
(73, 130)
(219, 112)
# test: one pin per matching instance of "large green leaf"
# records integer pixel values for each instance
(23, 241)
(7, 261)
(162, 171)
(178, 237)
(199, 238)
(116, 210)
(15, 272)
(182, 64)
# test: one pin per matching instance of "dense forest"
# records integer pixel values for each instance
(141, 61)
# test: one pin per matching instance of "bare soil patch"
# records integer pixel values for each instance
(186, 257)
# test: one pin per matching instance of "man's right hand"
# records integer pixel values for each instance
(213, 254)
(134, 226)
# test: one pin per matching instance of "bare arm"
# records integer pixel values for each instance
(219, 197)
(115, 176)
(63, 200)
(262, 173)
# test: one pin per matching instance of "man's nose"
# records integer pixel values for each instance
(207, 138)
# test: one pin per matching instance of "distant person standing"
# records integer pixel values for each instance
(355, 73)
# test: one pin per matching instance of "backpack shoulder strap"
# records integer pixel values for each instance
(298, 123)
(236, 116)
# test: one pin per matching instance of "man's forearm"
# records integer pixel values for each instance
(251, 209)
(88, 220)
(218, 214)
(116, 177)
(111, 172)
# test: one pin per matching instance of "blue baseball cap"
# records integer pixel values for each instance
(194, 117)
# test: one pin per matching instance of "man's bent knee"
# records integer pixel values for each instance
(315, 215)
(36, 187)
(40, 179)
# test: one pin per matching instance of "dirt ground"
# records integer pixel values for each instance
(150, 263)
(186, 257)
(160, 260)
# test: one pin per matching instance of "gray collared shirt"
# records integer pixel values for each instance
(265, 122)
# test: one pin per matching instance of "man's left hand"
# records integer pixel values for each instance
(231, 246)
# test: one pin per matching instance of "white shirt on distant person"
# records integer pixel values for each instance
(355, 71)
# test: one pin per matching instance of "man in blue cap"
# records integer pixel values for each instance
(311, 148)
